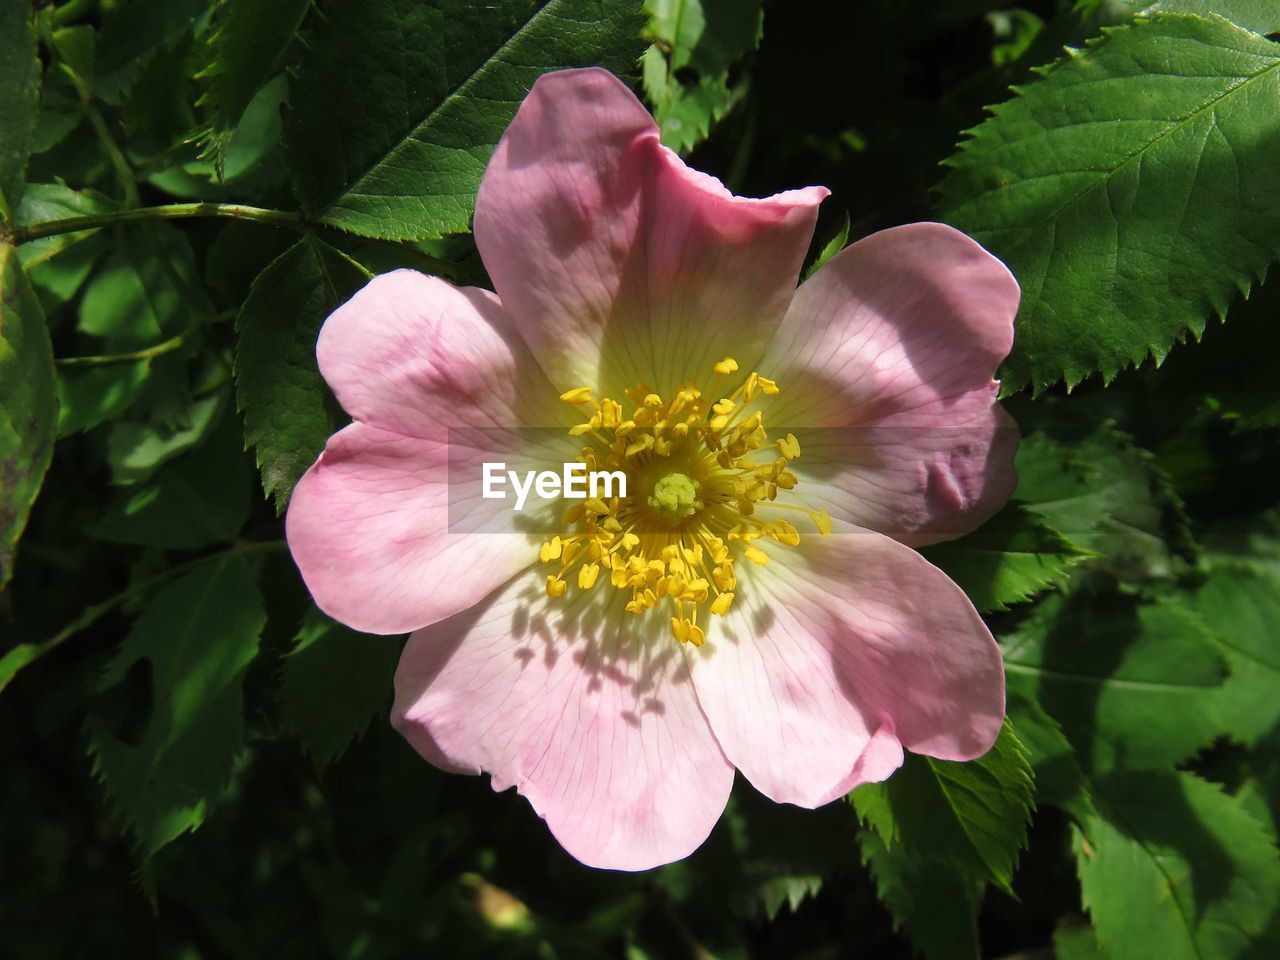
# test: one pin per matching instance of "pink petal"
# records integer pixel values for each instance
(387, 527)
(607, 250)
(837, 659)
(369, 528)
(895, 342)
(415, 355)
(600, 729)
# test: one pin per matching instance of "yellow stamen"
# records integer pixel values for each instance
(700, 480)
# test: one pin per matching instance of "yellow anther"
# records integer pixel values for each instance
(784, 532)
(822, 520)
(695, 590)
(673, 543)
(789, 447)
(610, 413)
(723, 576)
(644, 443)
(582, 429)
(587, 574)
(551, 550)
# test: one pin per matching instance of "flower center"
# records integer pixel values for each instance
(713, 479)
(675, 497)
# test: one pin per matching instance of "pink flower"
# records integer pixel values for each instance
(755, 602)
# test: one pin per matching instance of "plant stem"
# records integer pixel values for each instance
(169, 211)
(20, 656)
(100, 360)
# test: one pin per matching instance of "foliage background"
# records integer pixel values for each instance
(196, 763)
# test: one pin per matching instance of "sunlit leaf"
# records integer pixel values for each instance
(686, 71)
(28, 404)
(1172, 867)
(288, 411)
(972, 816)
(333, 684)
(1132, 682)
(19, 100)
(197, 635)
(1009, 559)
(398, 104)
(245, 49)
(1132, 189)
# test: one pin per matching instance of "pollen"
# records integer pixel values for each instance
(706, 486)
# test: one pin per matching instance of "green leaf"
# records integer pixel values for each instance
(1173, 868)
(288, 411)
(197, 635)
(1132, 189)
(60, 278)
(45, 202)
(972, 816)
(88, 396)
(398, 104)
(28, 404)
(1059, 780)
(1241, 605)
(333, 683)
(133, 32)
(1107, 496)
(1132, 682)
(787, 890)
(200, 499)
(935, 905)
(19, 100)
(830, 248)
(245, 49)
(145, 291)
(1009, 559)
(686, 71)
(1260, 15)
(136, 450)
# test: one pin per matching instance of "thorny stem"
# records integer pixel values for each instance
(173, 343)
(23, 654)
(168, 211)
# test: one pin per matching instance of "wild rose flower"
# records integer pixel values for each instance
(755, 601)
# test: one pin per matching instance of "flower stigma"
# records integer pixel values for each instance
(706, 481)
